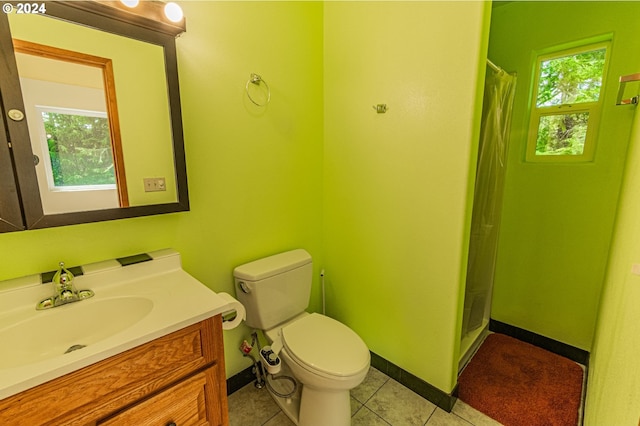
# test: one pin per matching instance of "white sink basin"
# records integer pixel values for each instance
(53, 332)
(132, 305)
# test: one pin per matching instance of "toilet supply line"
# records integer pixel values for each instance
(246, 349)
(261, 368)
(272, 365)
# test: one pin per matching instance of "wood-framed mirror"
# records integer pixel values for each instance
(129, 140)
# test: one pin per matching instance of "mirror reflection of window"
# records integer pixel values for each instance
(73, 123)
(78, 147)
(144, 112)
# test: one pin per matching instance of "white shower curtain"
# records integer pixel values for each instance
(499, 92)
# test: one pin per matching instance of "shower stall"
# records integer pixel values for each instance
(499, 92)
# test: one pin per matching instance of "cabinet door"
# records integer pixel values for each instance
(10, 215)
(109, 387)
(10, 212)
(188, 403)
(21, 164)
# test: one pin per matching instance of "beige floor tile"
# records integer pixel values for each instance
(366, 417)
(386, 403)
(400, 406)
(280, 419)
(472, 415)
(442, 418)
(370, 385)
(355, 405)
(251, 407)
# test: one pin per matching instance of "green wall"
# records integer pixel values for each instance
(379, 200)
(397, 184)
(613, 396)
(558, 218)
(393, 233)
(255, 174)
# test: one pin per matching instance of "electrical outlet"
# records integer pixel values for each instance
(154, 184)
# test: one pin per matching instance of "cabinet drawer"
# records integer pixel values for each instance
(101, 389)
(184, 404)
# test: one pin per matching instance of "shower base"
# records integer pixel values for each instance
(471, 342)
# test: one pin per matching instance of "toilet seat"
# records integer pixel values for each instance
(325, 346)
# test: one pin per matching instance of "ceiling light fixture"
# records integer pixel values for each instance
(173, 12)
(130, 3)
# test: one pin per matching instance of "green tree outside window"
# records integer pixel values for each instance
(566, 102)
(79, 148)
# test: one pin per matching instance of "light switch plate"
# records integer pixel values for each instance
(154, 184)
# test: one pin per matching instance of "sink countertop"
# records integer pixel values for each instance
(179, 300)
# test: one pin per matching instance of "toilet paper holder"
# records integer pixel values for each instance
(229, 316)
(234, 313)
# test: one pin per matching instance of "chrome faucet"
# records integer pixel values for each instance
(63, 290)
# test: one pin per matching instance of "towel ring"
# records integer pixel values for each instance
(256, 79)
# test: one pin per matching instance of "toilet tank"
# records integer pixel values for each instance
(274, 289)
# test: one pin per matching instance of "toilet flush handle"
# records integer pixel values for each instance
(244, 287)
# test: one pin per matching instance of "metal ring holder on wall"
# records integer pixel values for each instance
(256, 79)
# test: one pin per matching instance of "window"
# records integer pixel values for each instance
(566, 104)
(79, 151)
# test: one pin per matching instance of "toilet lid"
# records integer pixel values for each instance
(325, 345)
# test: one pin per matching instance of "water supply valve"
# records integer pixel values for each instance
(245, 348)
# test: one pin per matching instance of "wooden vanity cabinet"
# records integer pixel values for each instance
(177, 379)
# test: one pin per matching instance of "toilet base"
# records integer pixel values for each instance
(316, 408)
(311, 407)
(322, 408)
(289, 406)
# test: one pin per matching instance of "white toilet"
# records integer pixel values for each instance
(326, 357)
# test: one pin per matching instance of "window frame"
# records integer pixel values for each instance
(106, 67)
(593, 108)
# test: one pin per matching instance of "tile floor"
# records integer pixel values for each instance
(378, 401)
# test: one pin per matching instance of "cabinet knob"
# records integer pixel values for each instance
(171, 424)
